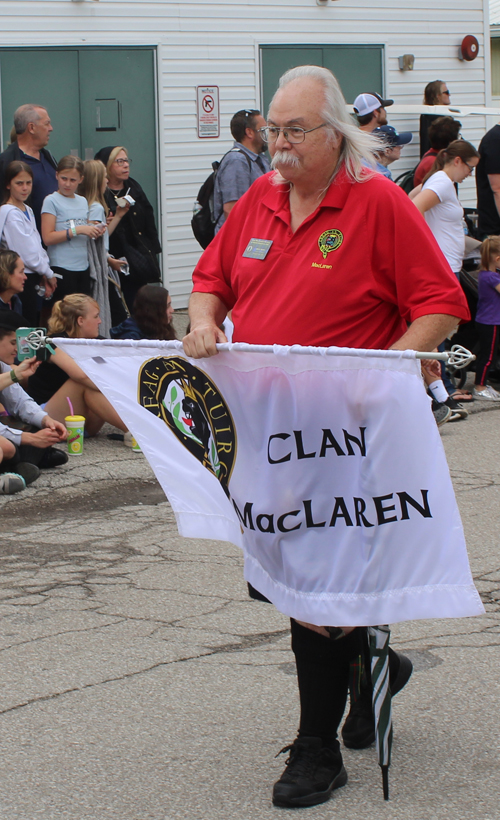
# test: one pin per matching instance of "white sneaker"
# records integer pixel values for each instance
(488, 393)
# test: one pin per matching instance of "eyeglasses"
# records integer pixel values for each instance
(292, 134)
(123, 161)
(471, 168)
(445, 92)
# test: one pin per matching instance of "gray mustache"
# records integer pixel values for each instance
(284, 158)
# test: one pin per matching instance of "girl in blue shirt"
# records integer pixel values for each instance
(65, 229)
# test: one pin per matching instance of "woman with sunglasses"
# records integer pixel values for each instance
(436, 93)
(136, 236)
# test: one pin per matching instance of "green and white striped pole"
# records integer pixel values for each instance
(378, 637)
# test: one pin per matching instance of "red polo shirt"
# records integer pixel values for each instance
(353, 274)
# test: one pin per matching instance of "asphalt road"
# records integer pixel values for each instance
(138, 681)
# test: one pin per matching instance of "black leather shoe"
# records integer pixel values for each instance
(312, 772)
(53, 457)
(29, 472)
(358, 731)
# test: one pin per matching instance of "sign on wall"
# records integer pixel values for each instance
(208, 112)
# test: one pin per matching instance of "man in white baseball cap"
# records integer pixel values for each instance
(370, 110)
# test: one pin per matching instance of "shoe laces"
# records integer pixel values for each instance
(302, 760)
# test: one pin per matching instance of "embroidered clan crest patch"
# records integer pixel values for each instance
(329, 241)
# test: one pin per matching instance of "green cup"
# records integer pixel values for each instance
(75, 426)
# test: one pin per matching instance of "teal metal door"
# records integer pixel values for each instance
(36, 76)
(117, 107)
(357, 68)
(95, 97)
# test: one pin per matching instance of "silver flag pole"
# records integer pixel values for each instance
(458, 356)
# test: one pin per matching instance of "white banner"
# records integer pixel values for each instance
(325, 466)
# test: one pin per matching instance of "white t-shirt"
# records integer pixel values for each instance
(446, 219)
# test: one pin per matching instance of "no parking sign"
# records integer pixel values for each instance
(208, 113)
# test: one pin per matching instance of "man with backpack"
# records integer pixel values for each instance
(242, 165)
(232, 176)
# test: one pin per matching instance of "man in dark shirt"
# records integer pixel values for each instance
(33, 129)
(488, 183)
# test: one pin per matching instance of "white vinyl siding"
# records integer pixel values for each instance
(216, 43)
(494, 12)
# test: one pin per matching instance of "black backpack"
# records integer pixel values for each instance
(204, 218)
(405, 180)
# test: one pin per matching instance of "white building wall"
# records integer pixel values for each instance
(216, 43)
(494, 12)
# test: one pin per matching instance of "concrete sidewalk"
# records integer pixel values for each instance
(139, 682)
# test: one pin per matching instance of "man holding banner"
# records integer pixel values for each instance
(323, 253)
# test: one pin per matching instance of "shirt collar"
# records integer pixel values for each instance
(277, 199)
(28, 158)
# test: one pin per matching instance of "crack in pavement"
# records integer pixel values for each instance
(470, 480)
(248, 642)
(52, 635)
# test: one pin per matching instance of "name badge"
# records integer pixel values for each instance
(258, 248)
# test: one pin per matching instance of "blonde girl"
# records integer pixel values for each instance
(76, 317)
(92, 187)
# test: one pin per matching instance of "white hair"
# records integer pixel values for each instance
(357, 147)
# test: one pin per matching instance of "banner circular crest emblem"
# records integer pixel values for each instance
(190, 404)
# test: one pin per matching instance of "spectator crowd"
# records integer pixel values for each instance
(79, 256)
